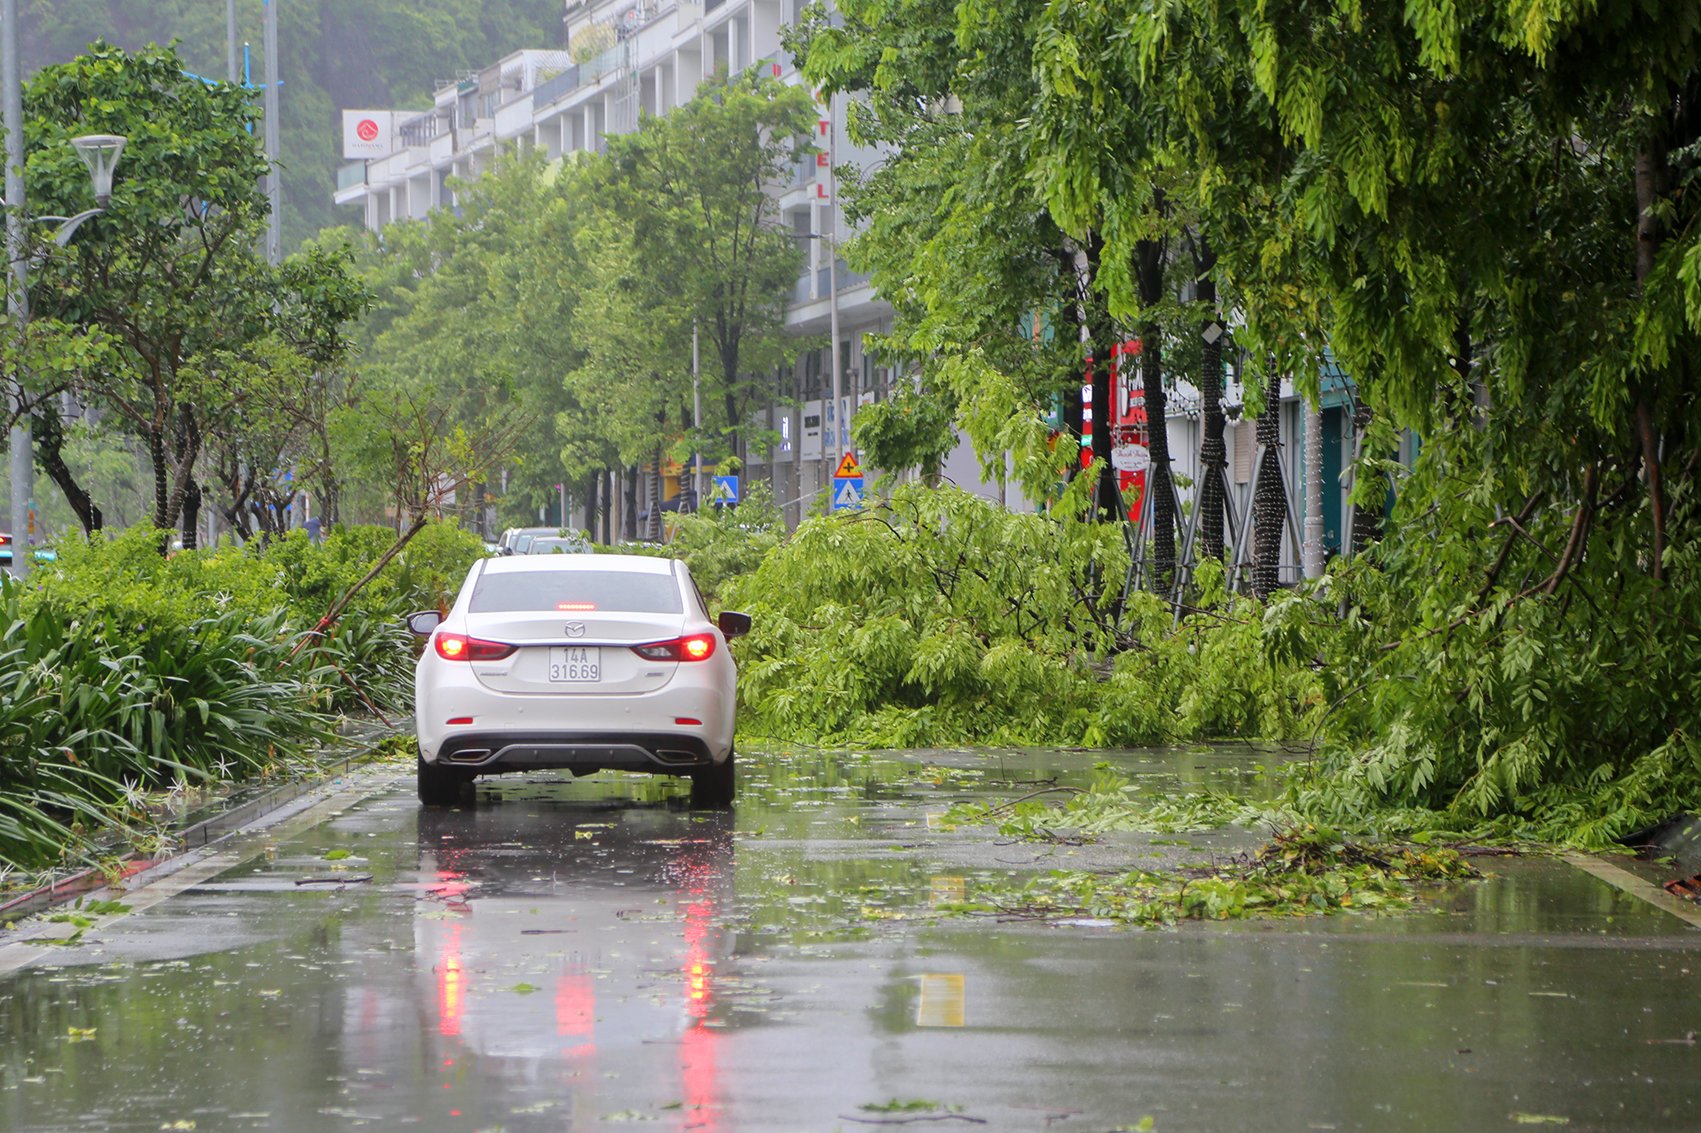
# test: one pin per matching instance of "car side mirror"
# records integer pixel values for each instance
(425, 621)
(733, 624)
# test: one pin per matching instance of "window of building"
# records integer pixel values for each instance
(811, 382)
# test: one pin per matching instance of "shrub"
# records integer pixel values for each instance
(125, 671)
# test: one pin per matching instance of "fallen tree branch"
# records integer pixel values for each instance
(913, 1120)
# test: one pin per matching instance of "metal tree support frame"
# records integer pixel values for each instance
(1236, 505)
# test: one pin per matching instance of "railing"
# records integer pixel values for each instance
(564, 83)
(594, 69)
(419, 131)
(351, 175)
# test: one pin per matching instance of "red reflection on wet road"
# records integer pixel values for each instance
(451, 985)
(697, 1063)
(576, 1012)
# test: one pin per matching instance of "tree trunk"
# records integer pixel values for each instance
(653, 529)
(593, 494)
(155, 440)
(1213, 454)
(629, 521)
(48, 433)
(191, 520)
(330, 499)
(1160, 482)
(1269, 505)
(186, 448)
(1652, 177)
(233, 504)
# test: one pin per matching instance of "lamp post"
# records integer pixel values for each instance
(100, 152)
(696, 420)
(830, 458)
(12, 105)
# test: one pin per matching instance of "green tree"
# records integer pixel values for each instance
(995, 305)
(472, 314)
(691, 234)
(165, 287)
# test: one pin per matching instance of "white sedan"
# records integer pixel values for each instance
(582, 662)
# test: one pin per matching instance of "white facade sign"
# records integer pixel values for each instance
(368, 134)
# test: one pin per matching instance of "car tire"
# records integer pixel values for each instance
(441, 786)
(713, 786)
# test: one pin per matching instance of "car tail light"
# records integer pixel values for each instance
(692, 647)
(460, 647)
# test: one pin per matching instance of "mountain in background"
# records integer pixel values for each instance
(333, 54)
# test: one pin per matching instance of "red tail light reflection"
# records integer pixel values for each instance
(697, 1064)
(451, 986)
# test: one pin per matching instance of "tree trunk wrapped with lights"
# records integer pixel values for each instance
(1270, 503)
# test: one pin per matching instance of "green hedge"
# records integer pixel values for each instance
(125, 671)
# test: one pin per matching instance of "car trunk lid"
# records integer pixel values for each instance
(564, 654)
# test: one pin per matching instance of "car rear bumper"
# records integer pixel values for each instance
(579, 752)
(679, 717)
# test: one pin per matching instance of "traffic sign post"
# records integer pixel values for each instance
(847, 485)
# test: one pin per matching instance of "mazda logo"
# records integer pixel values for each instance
(575, 629)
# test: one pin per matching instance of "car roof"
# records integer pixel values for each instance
(629, 564)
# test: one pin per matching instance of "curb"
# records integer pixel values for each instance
(191, 838)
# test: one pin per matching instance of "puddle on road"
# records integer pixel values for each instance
(582, 955)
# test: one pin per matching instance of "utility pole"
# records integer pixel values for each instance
(830, 454)
(233, 64)
(696, 420)
(274, 202)
(274, 188)
(17, 300)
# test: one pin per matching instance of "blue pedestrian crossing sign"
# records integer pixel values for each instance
(847, 493)
(725, 491)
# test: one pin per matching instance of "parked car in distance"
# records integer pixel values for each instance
(517, 540)
(559, 545)
(579, 662)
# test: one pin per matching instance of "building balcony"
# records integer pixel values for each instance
(551, 89)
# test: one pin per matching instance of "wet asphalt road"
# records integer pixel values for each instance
(595, 955)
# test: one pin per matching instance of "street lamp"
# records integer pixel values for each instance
(100, 152)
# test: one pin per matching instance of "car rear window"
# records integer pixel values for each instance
(575, 591)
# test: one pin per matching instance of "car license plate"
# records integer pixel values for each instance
(575, 663)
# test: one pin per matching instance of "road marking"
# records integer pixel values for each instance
(1624, 880)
